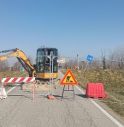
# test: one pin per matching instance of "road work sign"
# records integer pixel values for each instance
(69, 79)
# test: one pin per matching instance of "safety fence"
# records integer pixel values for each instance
(18, 80)
(15, 80)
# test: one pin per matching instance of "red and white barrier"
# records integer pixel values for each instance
(18, 80)
(14, 80)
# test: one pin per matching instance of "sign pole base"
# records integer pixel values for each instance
(71, 90)
(50, 97)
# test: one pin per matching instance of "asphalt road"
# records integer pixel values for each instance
(19, 110)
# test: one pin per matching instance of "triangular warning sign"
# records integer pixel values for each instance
(69, 79)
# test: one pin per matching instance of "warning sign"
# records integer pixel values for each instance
(69, 79)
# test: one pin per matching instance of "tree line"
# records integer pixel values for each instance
(114, 60)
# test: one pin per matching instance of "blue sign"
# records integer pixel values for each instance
(90, 58)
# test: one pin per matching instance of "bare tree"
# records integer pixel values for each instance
(117, 59)
(4, 65)
(103, 60)
(16, 66)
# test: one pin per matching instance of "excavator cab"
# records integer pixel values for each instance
(46, 63)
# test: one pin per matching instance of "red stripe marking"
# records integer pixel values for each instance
(14, 80)
(7, 79)
(29, 79)
(21, 80)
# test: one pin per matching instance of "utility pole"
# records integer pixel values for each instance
(78, 61)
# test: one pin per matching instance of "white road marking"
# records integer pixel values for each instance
(102, 110)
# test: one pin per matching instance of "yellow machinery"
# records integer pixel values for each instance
(45, 62)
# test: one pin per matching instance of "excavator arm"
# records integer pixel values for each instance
(22, 58)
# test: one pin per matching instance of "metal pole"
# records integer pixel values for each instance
(78, 61)
(50, 74)
(52, 71)
(51, 58)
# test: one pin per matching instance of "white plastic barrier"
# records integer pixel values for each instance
(3, 93)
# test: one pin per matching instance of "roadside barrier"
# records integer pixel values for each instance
(15, 80)
(18, 80)
(95, 90)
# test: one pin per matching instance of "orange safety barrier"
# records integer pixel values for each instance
(95, 90)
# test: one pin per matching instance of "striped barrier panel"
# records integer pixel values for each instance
(18, 80)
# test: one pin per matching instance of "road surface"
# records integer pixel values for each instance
(19, 110)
